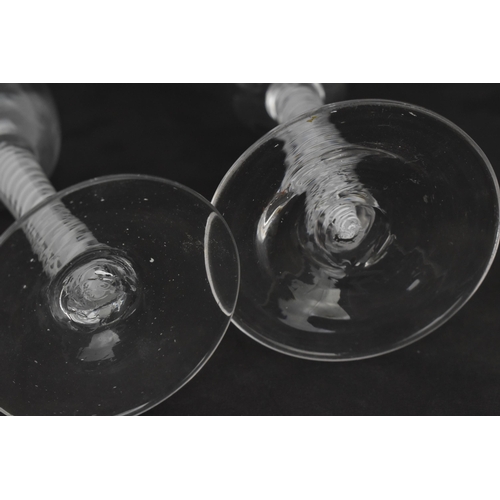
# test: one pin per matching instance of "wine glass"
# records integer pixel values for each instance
(362, 225)
(115, 291)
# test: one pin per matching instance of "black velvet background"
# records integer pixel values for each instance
(191, 134)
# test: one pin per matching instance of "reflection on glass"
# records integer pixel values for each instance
(100, 347)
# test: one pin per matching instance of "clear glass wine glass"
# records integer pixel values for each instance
(115, 291)
(362, 225)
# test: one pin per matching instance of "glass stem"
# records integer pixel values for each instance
(285, 101)
(314, 167)
(55, 235)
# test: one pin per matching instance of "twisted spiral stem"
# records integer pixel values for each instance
(55, 235)
(94, 290)
(316, 164)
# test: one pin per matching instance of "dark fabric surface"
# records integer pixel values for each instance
(192, 134)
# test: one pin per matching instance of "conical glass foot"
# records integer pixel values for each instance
(130, 318)
(362, 226)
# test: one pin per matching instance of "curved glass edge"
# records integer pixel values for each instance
(148, 406)
(314, 356)
(112, 178)
(346, 104)
(120, 177)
